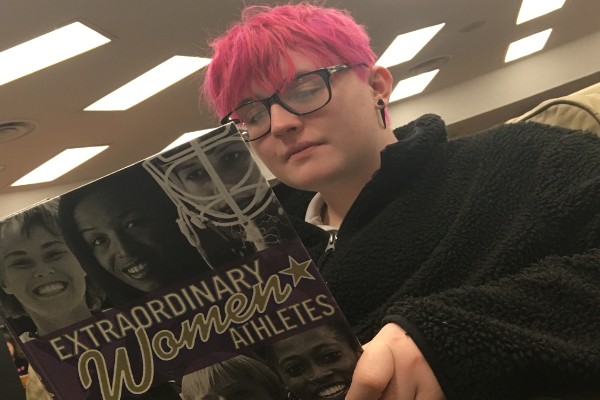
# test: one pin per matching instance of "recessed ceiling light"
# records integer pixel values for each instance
(407, 45)
(149, 83)
(48, 49)
(60, 165)
(531, 9)
(527, 45)
(413, 85)
(186, 137)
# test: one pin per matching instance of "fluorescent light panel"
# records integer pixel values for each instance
(413, 85)
(407, 45)
(60, 165)
(527, 45)
(186, 137)
(47, 50)
(531, 9)
(149, 83)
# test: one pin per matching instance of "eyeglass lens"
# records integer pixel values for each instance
(302, 96)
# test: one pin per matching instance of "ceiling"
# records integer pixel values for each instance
(144, 33)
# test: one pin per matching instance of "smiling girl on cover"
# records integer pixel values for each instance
(40, 278)
(39, 274)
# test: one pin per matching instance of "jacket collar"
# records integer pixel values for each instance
(416, 141)
(401, 162)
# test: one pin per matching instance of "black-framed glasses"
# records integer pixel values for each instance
(307, 93)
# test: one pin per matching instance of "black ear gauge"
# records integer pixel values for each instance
(381, 105)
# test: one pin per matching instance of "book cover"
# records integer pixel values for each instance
(179, 275)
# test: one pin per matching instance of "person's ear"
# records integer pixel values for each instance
(381, 82)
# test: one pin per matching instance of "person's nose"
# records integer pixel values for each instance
(42, 269)
(212, 189)
(318, 373)
(283, 122)
(120, 246)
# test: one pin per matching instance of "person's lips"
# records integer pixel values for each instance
(136, 269)
(332, 391)
(51, 288)
(298, 148)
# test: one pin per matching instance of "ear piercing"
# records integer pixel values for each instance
(381, 106)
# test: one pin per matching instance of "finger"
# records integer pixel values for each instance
(402, 384)
(399, 389)
(412, 378)
(429, 389)
(373, 372)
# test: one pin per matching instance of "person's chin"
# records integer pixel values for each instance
(146, 285)
(305, 179)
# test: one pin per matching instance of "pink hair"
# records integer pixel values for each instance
(253, 51)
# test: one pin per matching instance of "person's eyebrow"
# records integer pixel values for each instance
(15, 253)
(221, 147)
(88, 229)
(313, 349)
(297, 74)
(303, 71)
(52, 243)
(119, 216)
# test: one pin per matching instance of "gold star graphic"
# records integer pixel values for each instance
(297, 270)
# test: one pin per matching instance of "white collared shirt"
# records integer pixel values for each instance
(314, 212)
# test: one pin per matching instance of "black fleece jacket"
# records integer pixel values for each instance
(484, 249)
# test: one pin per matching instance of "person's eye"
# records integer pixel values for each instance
(231, 157)
(294, 369)
(195, 175)
(256, 117)
(303, 94)
(20, 263)
(254, 113)
(330, 357)
(134, 223)
(55, 255)
(304, 89)
(98, 241)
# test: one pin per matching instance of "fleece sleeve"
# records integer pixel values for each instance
(536, 330)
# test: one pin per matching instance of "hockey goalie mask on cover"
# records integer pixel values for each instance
(214, 183)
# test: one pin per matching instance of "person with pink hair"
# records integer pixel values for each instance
(469, 268)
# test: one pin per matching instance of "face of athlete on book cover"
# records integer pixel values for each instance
(39, 270)
(233, 163)
(126, 236)
(316, 364)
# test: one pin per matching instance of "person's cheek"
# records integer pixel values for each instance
(103, 259)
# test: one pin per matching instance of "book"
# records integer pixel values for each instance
(177, 275)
